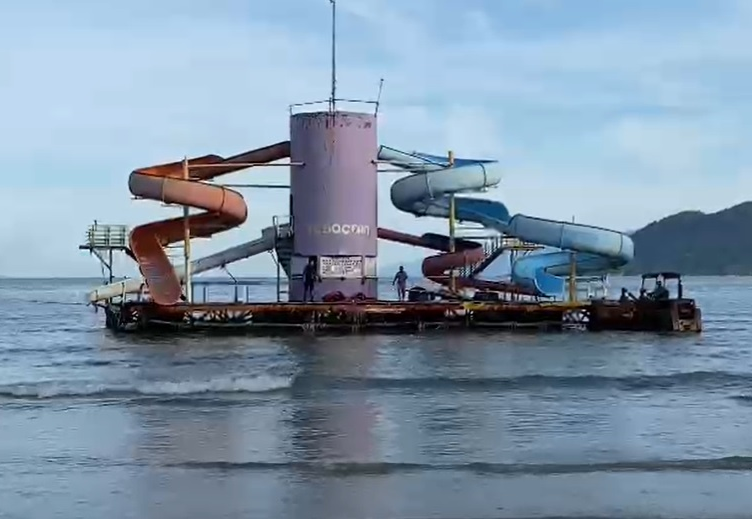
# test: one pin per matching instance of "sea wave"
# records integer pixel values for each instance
(77, 389)
(693, 379)
(729, 463)
(710, 380)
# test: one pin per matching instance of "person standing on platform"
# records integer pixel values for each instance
(310, 276)
(400, 278)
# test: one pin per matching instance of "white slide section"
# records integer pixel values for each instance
(431, 181)
(211, 262)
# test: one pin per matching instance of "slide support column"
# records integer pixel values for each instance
(452, 229)
(187, 241)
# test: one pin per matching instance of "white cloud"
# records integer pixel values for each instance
(661, 146)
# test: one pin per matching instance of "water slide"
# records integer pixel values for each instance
(223, 208)
(426, 192)
(467, 252)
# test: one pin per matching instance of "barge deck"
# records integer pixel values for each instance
(384, 316)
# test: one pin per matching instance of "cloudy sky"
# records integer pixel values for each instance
(615, 112)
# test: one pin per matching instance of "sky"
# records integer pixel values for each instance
(616, 112)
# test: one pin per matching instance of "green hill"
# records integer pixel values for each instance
(696, 243)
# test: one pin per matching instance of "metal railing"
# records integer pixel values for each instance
(331, 105)
(282, 225)
(591, 287)
(493, 247)
(104, 236)
(237, 290)
(283, 229)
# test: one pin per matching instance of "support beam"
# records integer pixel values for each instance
(572, 275)
(245, 165)
(452, 229)
(187, 241)
(253, 186)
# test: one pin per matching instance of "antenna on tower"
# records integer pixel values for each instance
(378, 97)
(333, 98)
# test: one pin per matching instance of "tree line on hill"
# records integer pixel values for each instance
(696, 243)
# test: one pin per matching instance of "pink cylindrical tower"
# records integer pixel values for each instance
(334, 202)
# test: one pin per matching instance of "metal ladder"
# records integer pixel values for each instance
(282, 252)
(492, 249)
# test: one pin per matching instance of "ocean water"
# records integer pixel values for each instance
(474, 425)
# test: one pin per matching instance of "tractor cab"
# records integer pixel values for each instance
(657, 286)
(661, 306)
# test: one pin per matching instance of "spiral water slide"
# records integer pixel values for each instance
(426, 192)
(223, 209)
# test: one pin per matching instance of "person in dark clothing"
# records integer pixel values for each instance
(400, 278)
(626, 296)
(660, 292)
(310, 276)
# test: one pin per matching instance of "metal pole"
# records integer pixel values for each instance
(110, 266)
(452, 228)
(378, 97)
(512, 259)
(187, 242)
(275, 222)
(572, 275)
(333, 101)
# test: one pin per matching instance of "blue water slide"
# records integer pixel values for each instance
(431, 181)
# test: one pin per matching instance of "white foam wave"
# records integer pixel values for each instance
(60, 389)
(260, 384)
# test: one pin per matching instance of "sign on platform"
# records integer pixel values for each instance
(340, 228)
(341, 267)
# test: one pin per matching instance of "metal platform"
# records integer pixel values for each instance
(343, 316)
(102, 240)
(105, 237)
(385, 316)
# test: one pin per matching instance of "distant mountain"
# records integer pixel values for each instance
(696, 243)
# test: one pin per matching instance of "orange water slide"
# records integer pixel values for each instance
(225, 209)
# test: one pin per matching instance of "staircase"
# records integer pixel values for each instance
(493, 249)
(282, 254)
(283, 251)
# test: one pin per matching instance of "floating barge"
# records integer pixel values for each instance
(137, 312)
(348, 316)
(384, 316)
